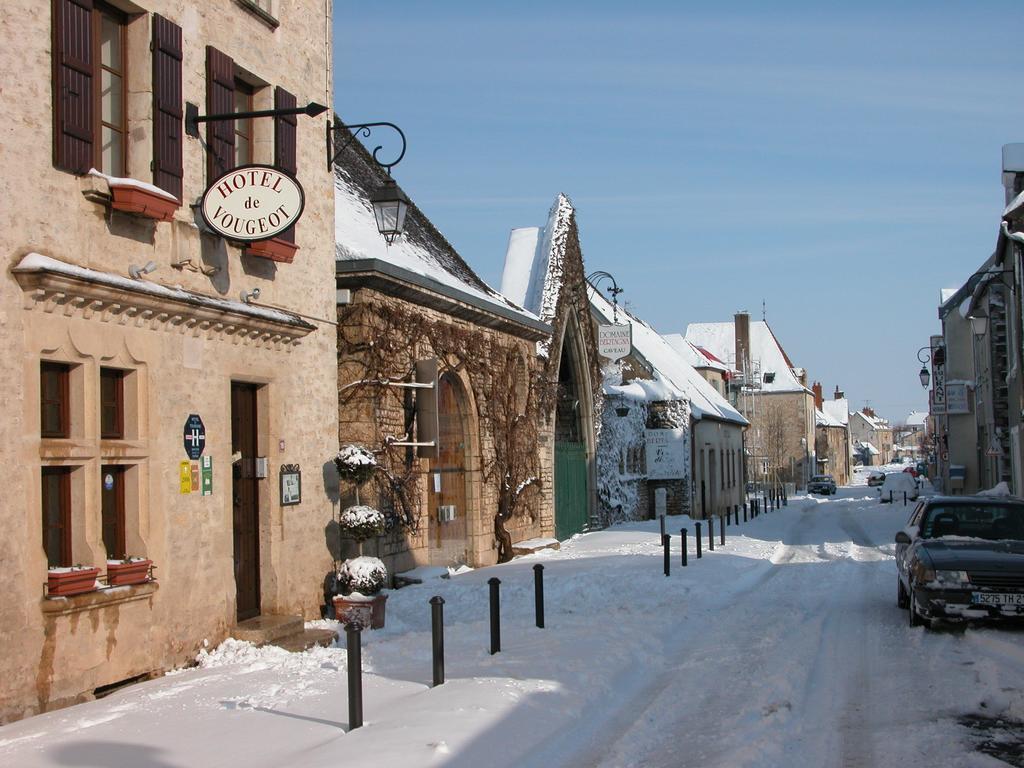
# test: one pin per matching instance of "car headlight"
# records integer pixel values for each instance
(920, 574)
(951, 578)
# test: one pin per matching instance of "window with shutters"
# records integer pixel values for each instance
(54, 400)
(108, 34)
(56, 512)
(168, 168)
(243, 126)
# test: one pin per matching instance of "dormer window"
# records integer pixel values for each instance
(769, 377)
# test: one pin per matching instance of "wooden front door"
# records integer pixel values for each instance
(447, 481)
(245, 500)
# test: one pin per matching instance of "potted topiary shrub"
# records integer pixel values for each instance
(360, 579)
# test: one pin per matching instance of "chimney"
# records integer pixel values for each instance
(818, 398)
(839, 395)
(868, 411)
(742, 326)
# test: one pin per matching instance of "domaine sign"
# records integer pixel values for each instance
(253, 202)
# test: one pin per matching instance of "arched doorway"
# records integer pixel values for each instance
(446, 482)
(572, 494)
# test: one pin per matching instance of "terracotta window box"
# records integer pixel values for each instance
(138, 198)
(273, 249)
(120, 573)
(61, 582)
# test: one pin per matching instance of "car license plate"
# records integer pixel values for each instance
(997, 598)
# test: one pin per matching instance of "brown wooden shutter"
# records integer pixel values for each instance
(72, 85)
(167, 112)
(220, 99)
(285, 130)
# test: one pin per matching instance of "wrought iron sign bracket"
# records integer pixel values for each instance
(359, 129)
(193, 118)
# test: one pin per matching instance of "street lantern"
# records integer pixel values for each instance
(389, 208)
(979, 321)
(924, 376)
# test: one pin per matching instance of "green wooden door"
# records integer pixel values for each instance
(570, 489)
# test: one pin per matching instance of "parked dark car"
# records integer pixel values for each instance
(876, 477)
(962, 557)
(823, 484)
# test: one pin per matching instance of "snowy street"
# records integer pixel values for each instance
(784, 648)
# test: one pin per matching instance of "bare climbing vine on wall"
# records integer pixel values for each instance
(379, 342)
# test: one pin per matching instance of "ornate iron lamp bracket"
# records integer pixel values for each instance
(360, 129)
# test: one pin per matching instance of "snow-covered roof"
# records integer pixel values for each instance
(945, 294)
(875, 422)
(839, 410)
(917, 418)
(1014, 206)
(823, 419)
(675, 377)
(534, 262)
(765, 351)
(696, 356)
(865, 445)
(421, 252)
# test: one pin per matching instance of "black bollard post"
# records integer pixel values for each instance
(711, 534)
(666, 543)
(437, 637)
(494, 581)
(682, 536)
(354, 651)
(538, 594)
(904, 498)
(721, 534)
(696, 537)
(661, 519)
(736, 513)
(744, 511)
(890, 495)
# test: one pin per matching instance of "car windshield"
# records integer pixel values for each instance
(821, 479)
(982, 521)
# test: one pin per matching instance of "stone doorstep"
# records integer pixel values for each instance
(288, 632)
(306, 639)
(261, 630)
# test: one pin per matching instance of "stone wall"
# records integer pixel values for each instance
(58, 651)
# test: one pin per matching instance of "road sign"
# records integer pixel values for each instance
(194, 436)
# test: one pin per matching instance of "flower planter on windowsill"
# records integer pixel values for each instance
(61, 582)
(138, 198)
(368, 610)
(120, 573)
(273, 249)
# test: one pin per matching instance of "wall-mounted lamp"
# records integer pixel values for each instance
(979, 321)
(929, 354)
(389, 202)
(193, 267)
(622, 411)
(135, 271)
(250, 296)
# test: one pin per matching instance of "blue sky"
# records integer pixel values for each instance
(840, 162)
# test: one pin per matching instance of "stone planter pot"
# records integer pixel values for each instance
(368, 611)
(121, 574)
(71, 581)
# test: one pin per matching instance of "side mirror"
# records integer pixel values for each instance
(902, 537)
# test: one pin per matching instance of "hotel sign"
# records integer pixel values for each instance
(253, 202)
(938, 403)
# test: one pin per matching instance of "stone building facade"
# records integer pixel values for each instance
(108, 362)
(414, 301)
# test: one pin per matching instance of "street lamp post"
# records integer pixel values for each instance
(927, 354)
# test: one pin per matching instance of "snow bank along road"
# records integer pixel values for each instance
(784, 648)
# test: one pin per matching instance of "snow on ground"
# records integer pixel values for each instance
(782, 648)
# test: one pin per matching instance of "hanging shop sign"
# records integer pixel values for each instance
(614, 341)
(194, 436)
(253, 202)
